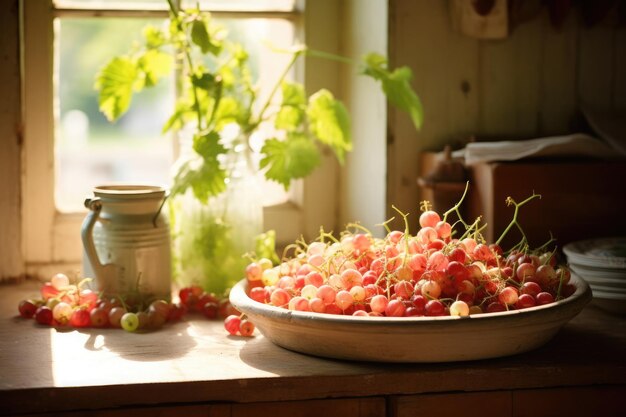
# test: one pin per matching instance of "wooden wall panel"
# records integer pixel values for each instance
(445, 69)
(530, 84)
(595, 67)
(619, 69)
(557, 100)
(11, 263)
(509, 78)
(462, 87)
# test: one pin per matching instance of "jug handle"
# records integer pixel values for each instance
(86, 232)
(156, 216)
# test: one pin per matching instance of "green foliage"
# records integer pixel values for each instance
(265, 246)
(206, 178)
(330, 122)
(292, 110)
(201, 37)
(208, 146)
(154, 64)
(396, 86)
(154, 37)
(229, 111)
(218, 90)
(116, 82)
(285, 160)
(211, 247)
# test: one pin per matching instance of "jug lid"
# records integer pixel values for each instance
(129, 191)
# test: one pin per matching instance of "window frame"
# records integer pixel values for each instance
(51, 239)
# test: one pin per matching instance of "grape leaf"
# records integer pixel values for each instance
(206, 179)
(204, 176)
(228, 111)
(396, 86)
(154, 64)
(291, 112)
(289, 118)
(116, 82)
(293, 94)
(227, 75)
(208, 145)
(210, 180)
(240, 55)
(295, 157)
(205, 80)
(154, 37)
(200, 36)
(183, 112)
(330, 123)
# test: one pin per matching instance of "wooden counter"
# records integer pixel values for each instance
(193, 368)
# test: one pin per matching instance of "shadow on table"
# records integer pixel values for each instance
(262, 354)
(170, 342)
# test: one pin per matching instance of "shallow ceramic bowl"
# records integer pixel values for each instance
(412, 339)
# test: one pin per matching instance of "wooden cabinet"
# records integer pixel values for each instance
(345, 407)
(548, 402)
(466, 404)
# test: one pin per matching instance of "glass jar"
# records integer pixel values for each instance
(211, 239)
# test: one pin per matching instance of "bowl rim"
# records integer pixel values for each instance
(241, 301)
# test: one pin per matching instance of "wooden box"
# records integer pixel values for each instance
(579, 199)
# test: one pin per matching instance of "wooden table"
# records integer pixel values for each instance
(193, 368)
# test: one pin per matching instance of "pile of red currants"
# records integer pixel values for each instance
(429, 274)
(65, 304)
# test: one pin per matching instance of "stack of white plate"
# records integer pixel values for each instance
(602, 263)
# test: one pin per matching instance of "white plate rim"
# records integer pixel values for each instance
(576, 253)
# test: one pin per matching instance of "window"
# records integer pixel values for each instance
(89, 150)
(59, 129)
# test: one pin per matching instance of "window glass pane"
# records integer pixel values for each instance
(92, 151)
(221, 5)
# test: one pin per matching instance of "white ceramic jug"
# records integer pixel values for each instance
(126, 241)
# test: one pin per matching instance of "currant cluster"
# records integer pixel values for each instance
(196, 300)
(238, 325)
(66, 304)
(428, 274)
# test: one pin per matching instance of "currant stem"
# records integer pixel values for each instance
(513, 222)
(456, 207)
(545, 245)
(276, 87)
(406, 234)
(386, 224)
(186, 47)
(328, 55)
(358, 227)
